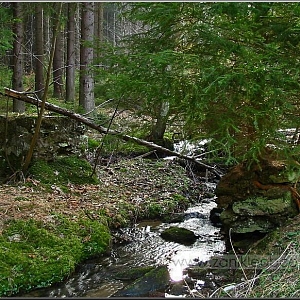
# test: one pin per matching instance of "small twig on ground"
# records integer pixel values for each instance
(145, 154)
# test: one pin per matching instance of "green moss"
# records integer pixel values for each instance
(62, 171)
(179, 235)
(33, 254)
(113, 143)
(21, 198)
(261, 206)
(93, 144)
(154, 210)
(180, 201)
(125, 215)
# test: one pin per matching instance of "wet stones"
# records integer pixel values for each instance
(179, 235)
(153, 283)
(214, 216)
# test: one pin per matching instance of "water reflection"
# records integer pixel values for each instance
(98, 277)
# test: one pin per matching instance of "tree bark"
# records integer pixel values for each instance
(160, 125)
(70, 70)
(22, 96)
(86, 80)
(45, 92)
(17, 78)
(58, 63)
(99, 19)
(39, 50)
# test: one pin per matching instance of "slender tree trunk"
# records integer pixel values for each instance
(86, 80)
(70, 70)
(43, 102)
(47, 33)
(98, 24)
(159, 127)
(29, 60)
(39, 50)
(77, 35)
(58, 63)
(17, 79)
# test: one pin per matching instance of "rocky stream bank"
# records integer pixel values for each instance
(62, 215)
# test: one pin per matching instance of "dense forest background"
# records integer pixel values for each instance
(224, 71)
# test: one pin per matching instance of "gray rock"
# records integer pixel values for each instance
(179, 235)
(155, 281)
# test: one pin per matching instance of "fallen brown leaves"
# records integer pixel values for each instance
(125, 182)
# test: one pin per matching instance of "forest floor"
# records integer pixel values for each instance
(128, 190)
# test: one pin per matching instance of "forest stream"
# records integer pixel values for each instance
(98, 277)
(102, 277)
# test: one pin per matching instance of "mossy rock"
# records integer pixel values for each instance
(228, 216)
(156, 280)
(179, 235)
(251, 225)
(262, 206)
(133, 273)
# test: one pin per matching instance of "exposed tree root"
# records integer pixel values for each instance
(287, 187)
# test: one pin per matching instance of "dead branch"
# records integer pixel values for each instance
(51, 107)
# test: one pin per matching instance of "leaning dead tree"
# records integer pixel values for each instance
(51, 107)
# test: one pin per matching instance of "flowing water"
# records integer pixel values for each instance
(96, 278)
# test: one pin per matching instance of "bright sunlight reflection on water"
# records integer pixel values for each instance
(183, 259)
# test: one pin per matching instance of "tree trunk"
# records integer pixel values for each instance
(39, 50)
(29, 60)
(45, 92)
(47, 33)
(77, 35)
(86, 80)
(58, 63)
(98, 26)
(159, 127)
(17, 78)
(70, 70)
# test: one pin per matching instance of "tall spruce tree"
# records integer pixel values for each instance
(86, 79)
(228, 69)
(17, 79)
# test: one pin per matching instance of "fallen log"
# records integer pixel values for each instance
(51, 107)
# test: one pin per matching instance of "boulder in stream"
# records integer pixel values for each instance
(153, 282)
(133, 274)
(179, 235)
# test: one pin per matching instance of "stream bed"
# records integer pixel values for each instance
(145, 248)
(98, 277)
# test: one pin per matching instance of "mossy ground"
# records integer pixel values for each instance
(62, 171)
(61, 215)
(34, 254)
